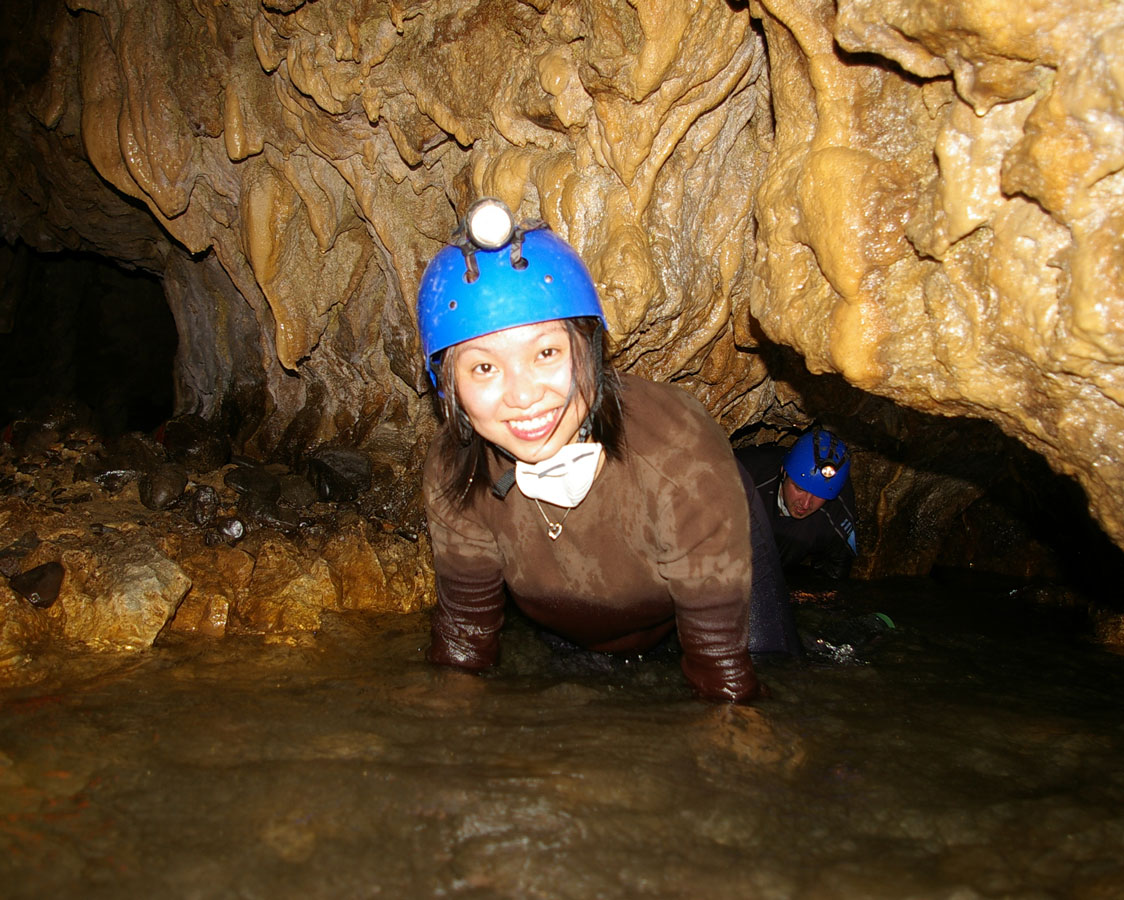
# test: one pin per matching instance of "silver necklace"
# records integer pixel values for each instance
(553, 529)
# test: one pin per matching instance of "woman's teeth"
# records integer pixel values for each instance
(529, 426)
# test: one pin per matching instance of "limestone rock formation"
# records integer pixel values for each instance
(923, 196)
(941, 218)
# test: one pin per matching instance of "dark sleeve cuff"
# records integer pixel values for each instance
(464, 628)
(731, 680)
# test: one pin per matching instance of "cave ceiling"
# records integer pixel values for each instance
(922, 196)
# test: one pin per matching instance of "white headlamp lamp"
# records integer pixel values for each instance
(489, 224)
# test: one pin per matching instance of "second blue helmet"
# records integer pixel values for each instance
(819, 463)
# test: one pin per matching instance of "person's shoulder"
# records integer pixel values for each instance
(664, 418)
(657, 404)
(670, 399)
(762, 462)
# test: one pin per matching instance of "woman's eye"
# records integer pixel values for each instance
(482, 368)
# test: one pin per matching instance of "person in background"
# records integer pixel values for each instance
(810, 501)
(607, 507)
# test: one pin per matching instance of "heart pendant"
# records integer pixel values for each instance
(554, 529)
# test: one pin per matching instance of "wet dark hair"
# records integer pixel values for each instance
(464, 452)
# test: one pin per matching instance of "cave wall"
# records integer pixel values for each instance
(941, 219)
(923, 197)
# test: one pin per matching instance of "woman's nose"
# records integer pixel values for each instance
(522, 390)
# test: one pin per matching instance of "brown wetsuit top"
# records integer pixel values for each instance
(661, 541)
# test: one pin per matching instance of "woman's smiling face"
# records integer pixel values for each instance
(514, 385)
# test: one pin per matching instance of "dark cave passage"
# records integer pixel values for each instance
(80, 333)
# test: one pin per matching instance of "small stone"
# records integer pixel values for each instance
(227, 530)
(256, 481)
(163, 487)
(339, 474)
(204, 505)
(40, 586)
(268, 513)
(114, 479)
(63, 495)
(297, 492)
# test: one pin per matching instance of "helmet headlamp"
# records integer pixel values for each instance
(489, 224)
(827, 471)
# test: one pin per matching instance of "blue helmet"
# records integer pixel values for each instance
(819, 463)
(541, 280)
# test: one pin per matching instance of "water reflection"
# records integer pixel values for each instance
(964, 755)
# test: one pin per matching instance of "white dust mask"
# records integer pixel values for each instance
(562, 480)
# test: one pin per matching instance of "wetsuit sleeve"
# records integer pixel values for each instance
(706, 560)
(464, 628)
(465, 625)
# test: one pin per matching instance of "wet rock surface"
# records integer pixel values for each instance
(40, 585)
(115, 547)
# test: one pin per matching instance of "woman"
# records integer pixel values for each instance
(604, 504)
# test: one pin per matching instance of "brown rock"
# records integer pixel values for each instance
(379, 571)
(220, 576)
(40, 585)
(23, 628)
(287, 592)
(119, 599)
